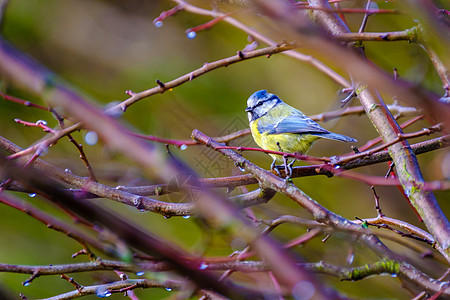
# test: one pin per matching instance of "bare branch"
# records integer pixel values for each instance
(271, 181)
(207, 67)
(401, 269)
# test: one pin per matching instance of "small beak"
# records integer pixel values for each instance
(248, 109)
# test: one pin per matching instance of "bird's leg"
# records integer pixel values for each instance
(290, 167)
(275, 167)
(287, 167)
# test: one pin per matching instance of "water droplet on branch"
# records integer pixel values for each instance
(102, 292)
(191, 34)
(41, 122)
(158, 24)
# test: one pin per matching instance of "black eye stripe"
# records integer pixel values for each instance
(262, 101)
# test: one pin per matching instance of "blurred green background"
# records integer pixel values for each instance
(104, 48)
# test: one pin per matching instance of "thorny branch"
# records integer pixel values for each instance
(406, 164)
(401, 269)
(207, 67)
(137, 196)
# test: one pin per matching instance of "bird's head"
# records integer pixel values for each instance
(260, 103)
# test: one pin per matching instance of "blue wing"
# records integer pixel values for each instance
(291, 124)
(299, 124)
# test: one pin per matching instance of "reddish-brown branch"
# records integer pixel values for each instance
(208, 25)
(43, 125)
(130, 233)
(304, 5)
(323, 117)
(304, 238)
(400, 137)
(131, 195)
(83, 157)
(105, 290)
(39, 124)
(284, 154)
(405, 271)
(407, 168)
(441, 69)
(207, 67)
(23, 102)
(6, 184)
(72, 282)
(262, 38)
(377, 140)
(182, 143)
(79, 147)
(43, 146)
(413, 232)
(269, 180)
(272, 224)
(165, 14)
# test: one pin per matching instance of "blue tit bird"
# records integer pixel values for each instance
(277, 126)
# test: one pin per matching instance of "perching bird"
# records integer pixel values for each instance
(277, 126)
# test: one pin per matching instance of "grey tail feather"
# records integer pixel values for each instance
(335, 136)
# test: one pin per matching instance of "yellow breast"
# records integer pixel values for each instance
(287, 142)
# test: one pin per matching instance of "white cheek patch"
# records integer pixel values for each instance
(250, 116)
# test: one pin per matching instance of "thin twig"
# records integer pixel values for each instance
(262, 38)
(401, 269)
(400, 137)
(200, 71)
(362, 28)
(366, 10)
(23, 102)
(413, 231)
(273, 182)
(42, 146)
